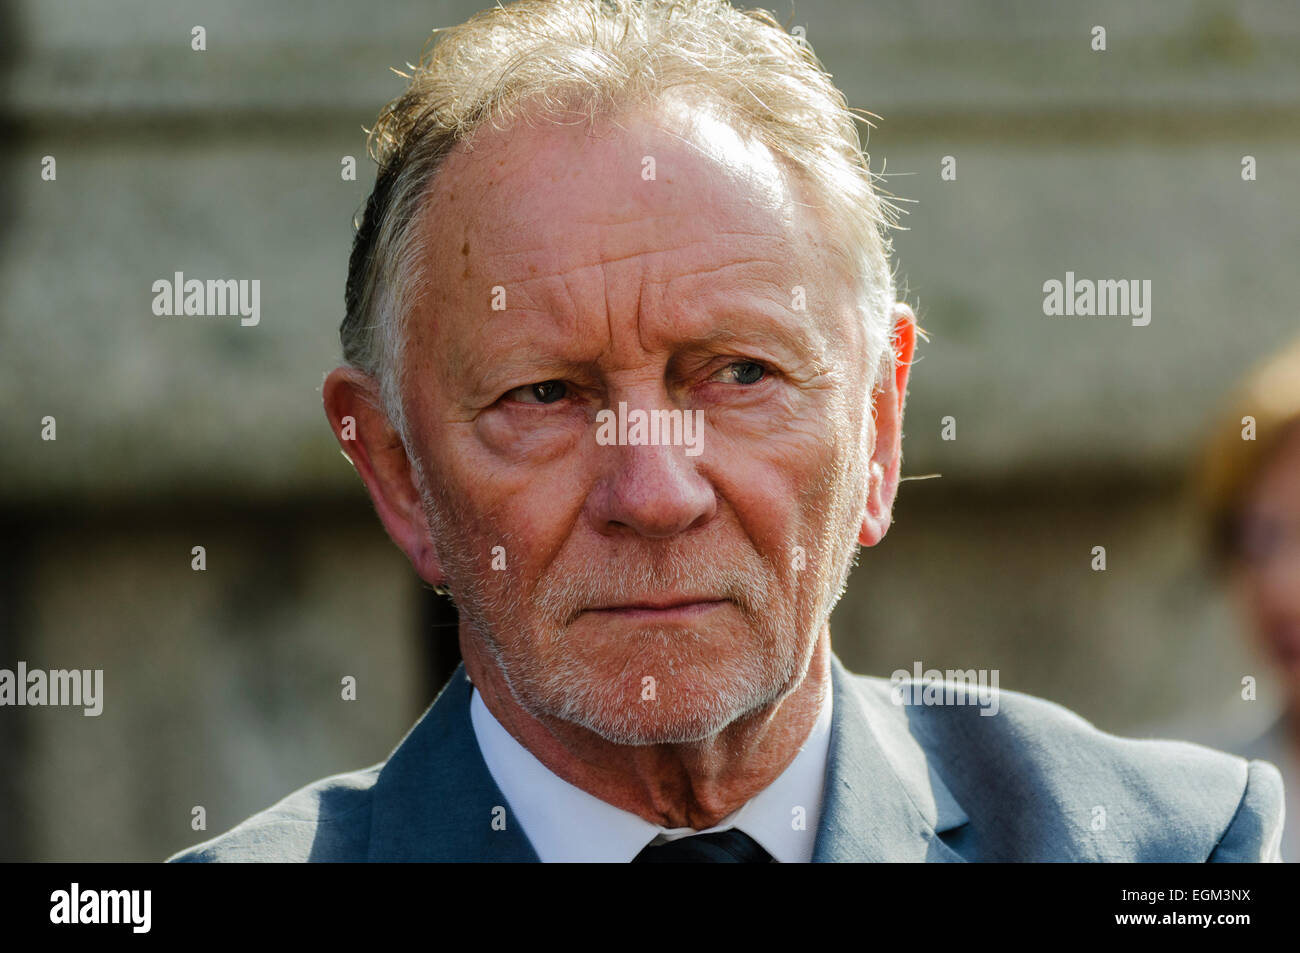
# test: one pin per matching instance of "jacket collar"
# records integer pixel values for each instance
(883, 799)
(435, 800)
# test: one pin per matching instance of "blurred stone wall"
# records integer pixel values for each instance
(223, 687)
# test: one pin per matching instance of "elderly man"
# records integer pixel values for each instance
(624, 375)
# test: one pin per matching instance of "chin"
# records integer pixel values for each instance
(653, 686)
(642, 728)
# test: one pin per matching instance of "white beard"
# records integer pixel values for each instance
(553, 675)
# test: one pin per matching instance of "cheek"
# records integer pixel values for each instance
(783, 491)
(511, 499)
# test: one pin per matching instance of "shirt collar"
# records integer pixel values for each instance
(566, 824)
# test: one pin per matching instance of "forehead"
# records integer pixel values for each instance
(674, 185)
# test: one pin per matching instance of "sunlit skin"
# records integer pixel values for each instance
(1266, 577)
(666, 293)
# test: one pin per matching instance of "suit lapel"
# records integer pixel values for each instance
(435, 800)
(883, 801)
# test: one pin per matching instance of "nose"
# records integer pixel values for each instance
(655, 491)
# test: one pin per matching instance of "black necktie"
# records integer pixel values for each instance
(722, 847)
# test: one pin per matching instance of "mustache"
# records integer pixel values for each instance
(732, 569)
(737, 574)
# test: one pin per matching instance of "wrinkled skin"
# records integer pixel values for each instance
(658, 635)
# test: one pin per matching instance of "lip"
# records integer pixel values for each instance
(668, 608)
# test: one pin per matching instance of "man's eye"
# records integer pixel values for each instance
(545, 392)
(742, 372)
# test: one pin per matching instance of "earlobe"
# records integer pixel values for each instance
(876, 521)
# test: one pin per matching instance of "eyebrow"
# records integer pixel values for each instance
(797, 339)
(801, 341)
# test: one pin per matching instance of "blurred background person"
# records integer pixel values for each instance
(1249, 483)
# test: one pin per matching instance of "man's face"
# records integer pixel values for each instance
(646, 593)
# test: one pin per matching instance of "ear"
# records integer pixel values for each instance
(375, 449)
(887, 403)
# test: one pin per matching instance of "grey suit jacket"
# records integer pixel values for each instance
(1034, 782)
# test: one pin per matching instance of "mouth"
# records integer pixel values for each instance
(659, 609)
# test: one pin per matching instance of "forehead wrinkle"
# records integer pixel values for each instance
(504, 343)
(497, 235)
(671, 321)
(605, 260)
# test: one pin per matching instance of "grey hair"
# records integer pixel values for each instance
(537, 58)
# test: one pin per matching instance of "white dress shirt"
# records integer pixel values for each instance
(566, 824)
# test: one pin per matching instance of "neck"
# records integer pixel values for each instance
(692, 785)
